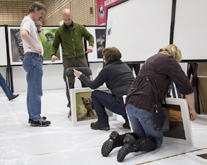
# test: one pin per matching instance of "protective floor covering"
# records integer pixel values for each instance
(63, 144)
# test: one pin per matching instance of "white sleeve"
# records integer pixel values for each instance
(27, 26)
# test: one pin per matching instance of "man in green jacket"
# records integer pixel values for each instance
(70, 35)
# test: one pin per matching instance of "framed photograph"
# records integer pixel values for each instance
(16, 46)
(198, 156)
(180, 125)
(99, 34)
(3, 55)
(82, 109)
(47, 36)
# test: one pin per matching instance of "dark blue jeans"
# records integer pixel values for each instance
(32, 64)
(5, 87)
(102, 100)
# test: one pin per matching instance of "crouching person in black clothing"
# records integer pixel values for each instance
(162, 68)
(118, 78)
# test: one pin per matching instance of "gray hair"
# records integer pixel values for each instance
(37, 5)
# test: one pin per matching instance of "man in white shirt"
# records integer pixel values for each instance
(32, 63)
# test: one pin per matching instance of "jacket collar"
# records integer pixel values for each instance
(72, 24)
(113, 61)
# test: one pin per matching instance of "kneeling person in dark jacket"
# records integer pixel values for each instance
(118, 78)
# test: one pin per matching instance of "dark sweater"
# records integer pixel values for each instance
(162, 69)
(117, 76)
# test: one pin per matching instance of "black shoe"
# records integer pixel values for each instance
(126, 124)
(69, 114)
(13, 97)
(128, 141)
(40, 123)
(99, 126)
(111, 143)
(43, 118)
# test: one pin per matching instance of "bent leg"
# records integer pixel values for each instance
(102, 100)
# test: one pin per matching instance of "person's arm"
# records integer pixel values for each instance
(173, 69)
(39, 26)
(191, 105)
(55, 46)
(88, 36)
(183, 84)
(25, 36)
(99, 80)
(39, 33)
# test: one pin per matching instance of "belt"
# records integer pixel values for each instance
(27, 53)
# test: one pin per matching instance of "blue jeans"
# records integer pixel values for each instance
(32, 64)
(5, 87)
(102, 100)
(142, 123)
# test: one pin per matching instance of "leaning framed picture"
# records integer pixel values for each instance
(180, 124)
(199, 156)
(82, 109)
(16, 50)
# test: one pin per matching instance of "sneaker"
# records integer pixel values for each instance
(110, 144)
(40, 123)
(13, 97)
(128, 141)
(30, 120)
(99, 126)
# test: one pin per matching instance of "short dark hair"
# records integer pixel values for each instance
(37, 5)
(111, 53)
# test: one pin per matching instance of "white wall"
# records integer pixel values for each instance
(52, 77)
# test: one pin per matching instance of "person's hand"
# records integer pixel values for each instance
(90, 49)
(77, 73)
(193, 114)
(54, 58)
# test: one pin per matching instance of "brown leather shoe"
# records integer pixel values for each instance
(99, 126)
(13, 97)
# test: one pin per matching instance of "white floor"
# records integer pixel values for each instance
(63, 144)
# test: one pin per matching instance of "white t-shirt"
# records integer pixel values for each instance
(29, 25)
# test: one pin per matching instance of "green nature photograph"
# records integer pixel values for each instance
(47, 37)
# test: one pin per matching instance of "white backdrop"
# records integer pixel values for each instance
(190, 32)
(138, 28)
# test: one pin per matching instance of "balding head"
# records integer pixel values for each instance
(67, 17)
